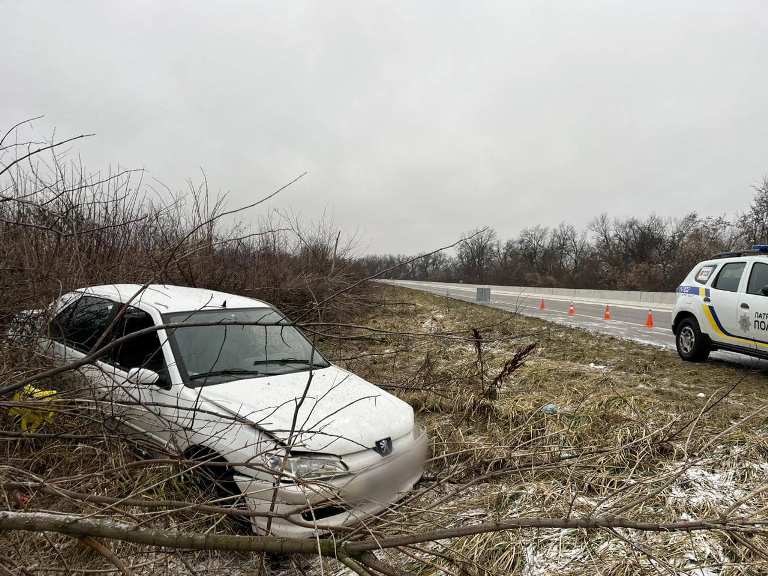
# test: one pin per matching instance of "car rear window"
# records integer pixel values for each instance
(729, 277)
(702, 276)
(81, 323)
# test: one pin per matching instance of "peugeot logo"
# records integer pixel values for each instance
(384, 446)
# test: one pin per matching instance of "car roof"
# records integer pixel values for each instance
(167, 298)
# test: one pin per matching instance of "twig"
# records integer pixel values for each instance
(98, 547)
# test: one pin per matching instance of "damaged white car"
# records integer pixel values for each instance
(229, 382)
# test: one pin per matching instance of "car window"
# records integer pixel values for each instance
(265, 344)
(81, 323)
(758, 278)
(142, 351)
(729, 277)
(704, 273)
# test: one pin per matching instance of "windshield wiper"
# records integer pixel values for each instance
(228, 372)
(289, 361)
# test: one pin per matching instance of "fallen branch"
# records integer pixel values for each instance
(79, 527)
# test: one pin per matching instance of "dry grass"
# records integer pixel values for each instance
(635, 432)
(589, 425)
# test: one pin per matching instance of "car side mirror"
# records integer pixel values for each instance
(143, 376)
(764, 290)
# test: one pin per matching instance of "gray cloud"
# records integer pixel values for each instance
(416, 121)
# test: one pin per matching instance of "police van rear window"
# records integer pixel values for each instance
(704, 273)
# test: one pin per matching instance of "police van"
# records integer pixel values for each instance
(723, 305)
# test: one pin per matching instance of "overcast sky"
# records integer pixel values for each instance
(417, 121)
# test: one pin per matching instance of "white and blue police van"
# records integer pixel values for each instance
(723, 305)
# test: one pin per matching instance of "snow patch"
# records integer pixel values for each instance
(697, 486)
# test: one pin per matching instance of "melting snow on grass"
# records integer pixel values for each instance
(697, 486)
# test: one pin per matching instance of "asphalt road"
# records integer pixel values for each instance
(627, 321)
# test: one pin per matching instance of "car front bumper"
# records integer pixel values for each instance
(373, 484)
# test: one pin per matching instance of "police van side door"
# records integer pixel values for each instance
(722, 311)
(753, 307)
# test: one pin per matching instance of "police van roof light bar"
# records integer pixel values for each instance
(756, 250)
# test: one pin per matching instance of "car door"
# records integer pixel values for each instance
(722, 311)
(73, 332)
(753, 307)
(151, 408)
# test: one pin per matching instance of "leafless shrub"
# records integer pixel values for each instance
(62, 227)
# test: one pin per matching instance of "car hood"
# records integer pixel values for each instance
(341, 413)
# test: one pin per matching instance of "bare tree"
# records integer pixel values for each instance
(477, 255)
(753, 224)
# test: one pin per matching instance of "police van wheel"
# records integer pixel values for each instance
(692, 345)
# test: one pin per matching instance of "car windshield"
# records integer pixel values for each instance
(262, 346)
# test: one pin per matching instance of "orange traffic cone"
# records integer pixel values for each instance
(541, 304)
(649, 320)
(607, 314)
(571, 310)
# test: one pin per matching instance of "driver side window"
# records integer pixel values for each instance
(142, 351)
(729, 277)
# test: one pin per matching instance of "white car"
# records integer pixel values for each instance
(235, 386)
(723, 304)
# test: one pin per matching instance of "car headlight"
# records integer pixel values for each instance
(307, 467)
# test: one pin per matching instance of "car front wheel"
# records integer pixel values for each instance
(215, 478)
(692, 345)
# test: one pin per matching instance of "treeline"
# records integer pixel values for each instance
(631, 254)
